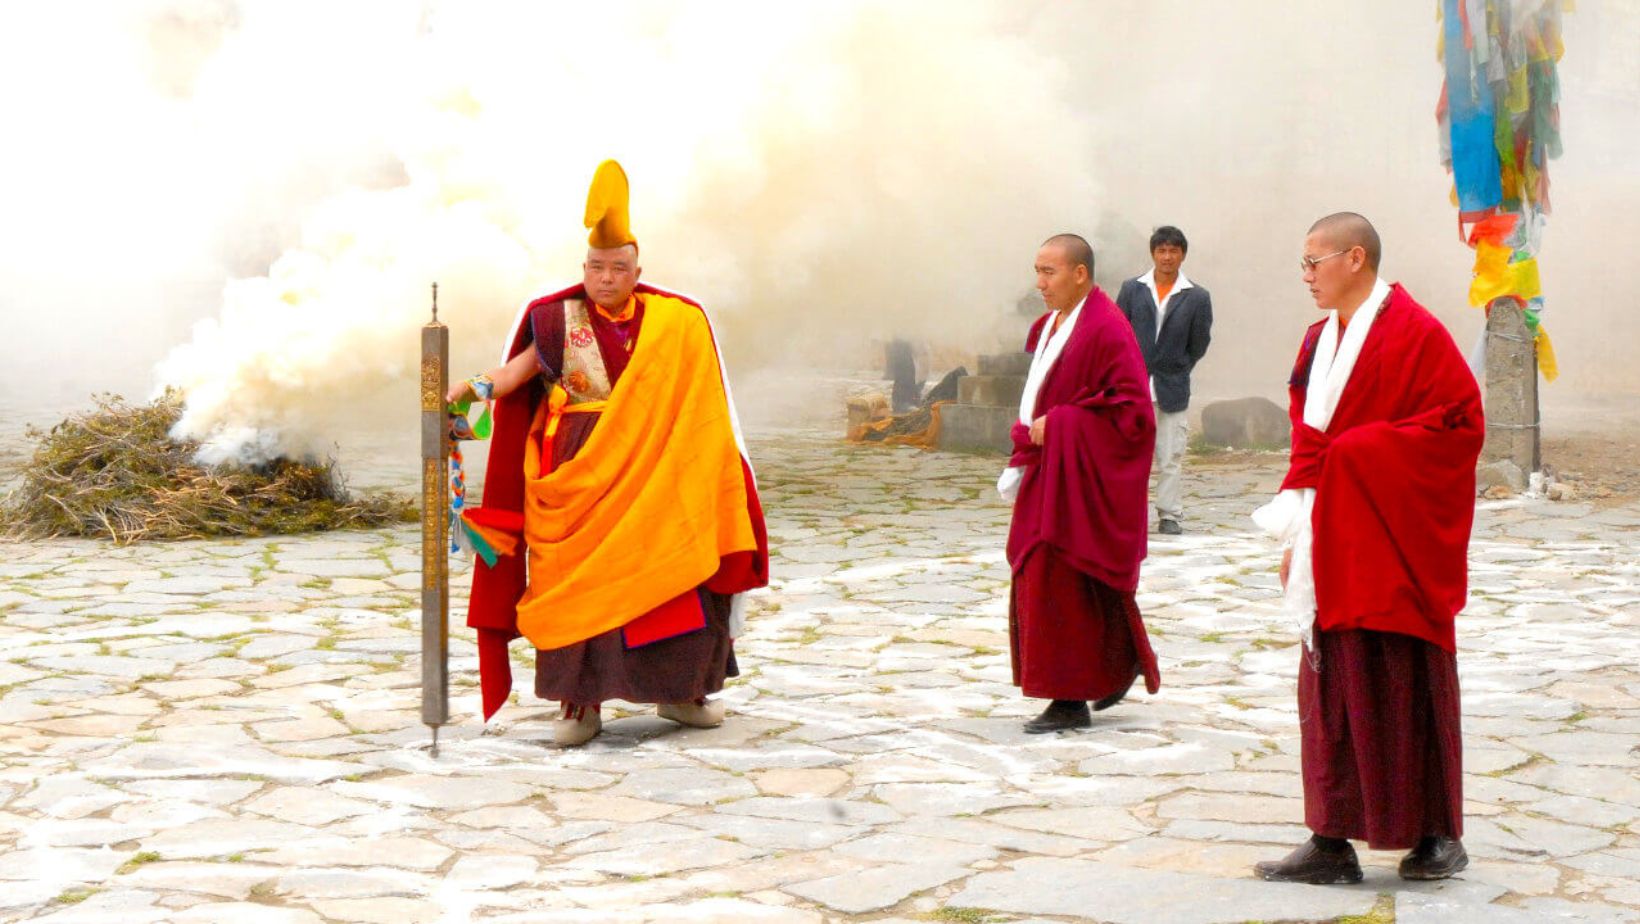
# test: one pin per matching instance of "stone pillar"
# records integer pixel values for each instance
(1512, 430)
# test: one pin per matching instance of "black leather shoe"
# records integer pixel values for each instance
(1312, 864)
(1170, 528)
(1061, 715)
(1114, 698)
(1435, 858)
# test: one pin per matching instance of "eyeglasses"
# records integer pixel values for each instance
(1308, 264)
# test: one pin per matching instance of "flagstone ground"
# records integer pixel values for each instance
(228, 732)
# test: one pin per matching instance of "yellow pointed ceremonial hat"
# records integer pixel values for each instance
(607, 214)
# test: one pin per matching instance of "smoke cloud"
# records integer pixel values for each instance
(803, 169)
(247, 199)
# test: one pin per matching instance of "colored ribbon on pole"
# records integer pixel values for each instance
(1499, 114)
(474, 528)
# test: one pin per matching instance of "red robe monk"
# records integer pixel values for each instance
(1376, 510)
(1081, 468)
(618, 494)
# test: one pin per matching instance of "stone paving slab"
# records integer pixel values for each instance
(1118, 895)
(228, 731)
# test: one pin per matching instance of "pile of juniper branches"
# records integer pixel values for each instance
(115, 472)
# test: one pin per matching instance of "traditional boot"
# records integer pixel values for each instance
(577, 726)
(702, 713)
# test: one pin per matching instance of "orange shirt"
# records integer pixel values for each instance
(626, 313)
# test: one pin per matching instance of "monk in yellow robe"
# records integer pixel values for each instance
(618, 495)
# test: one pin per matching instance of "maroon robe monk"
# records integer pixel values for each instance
(1079, 523)
(1394, 479)
(1393, 473)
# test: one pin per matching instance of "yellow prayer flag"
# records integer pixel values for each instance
(1496, 277)
(1546, 356)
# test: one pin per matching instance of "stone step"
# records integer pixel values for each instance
(977, 428)
(1005, 363)
(991, 390)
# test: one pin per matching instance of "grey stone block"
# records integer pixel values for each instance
(1246, 423)
(976, 428)
(1501, 473)
(991, 390)
(1005, 363)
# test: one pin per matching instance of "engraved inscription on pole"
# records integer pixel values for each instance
(435, 537)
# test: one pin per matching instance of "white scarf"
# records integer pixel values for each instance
(1287, 517)
(1048, 349)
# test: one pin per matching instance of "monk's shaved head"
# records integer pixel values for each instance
(1347, 229)
(1064, 271)
(1077, 251)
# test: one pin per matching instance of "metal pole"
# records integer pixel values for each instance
(435, 535)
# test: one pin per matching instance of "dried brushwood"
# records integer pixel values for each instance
(115, 472)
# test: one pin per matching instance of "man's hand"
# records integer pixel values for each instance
(1039, 430)
(503, 379)
(1286, 566)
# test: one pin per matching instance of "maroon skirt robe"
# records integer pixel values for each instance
(1079, 527)
(1073, 637)
(1380, 734)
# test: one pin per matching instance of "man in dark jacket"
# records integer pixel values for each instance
(1173, 319)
